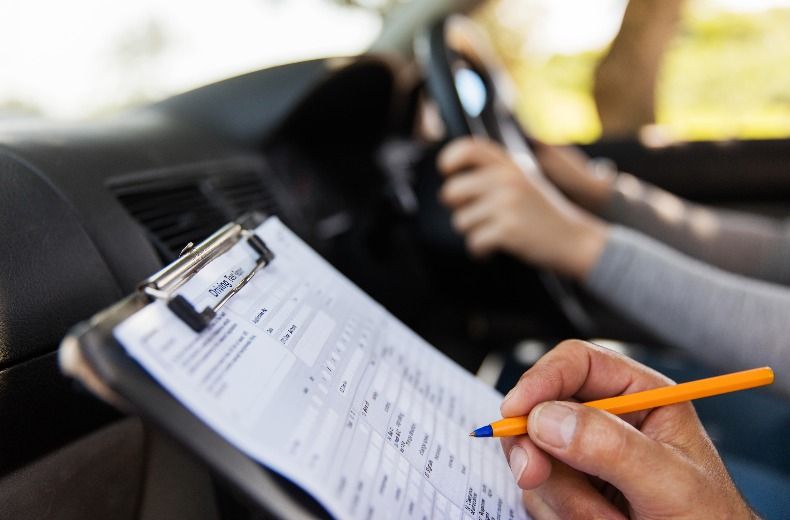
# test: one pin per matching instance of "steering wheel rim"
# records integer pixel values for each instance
(456, 42)
(451, 44)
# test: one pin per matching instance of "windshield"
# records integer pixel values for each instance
(714, 69)
(86, 58)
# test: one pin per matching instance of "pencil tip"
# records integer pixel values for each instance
(483, 431)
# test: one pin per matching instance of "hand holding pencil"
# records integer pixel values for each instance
(579, 461)
(647, 399)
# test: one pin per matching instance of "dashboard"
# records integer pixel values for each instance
(88, 210)
(94, 208)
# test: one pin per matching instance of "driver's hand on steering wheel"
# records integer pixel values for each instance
(574, 174)
(499, 207)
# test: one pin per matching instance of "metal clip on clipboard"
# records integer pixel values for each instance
(91, 354)
(164, 284)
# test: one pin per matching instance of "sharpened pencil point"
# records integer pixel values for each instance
(472, 434)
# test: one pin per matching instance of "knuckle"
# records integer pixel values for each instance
(508, 197)
(535, 505)
(571, 347)
(471, 243)
(572, 506)
(506, 185)
(486, 144)
(545, 379)
(499, 230)
(600, 440)
(494, 231)
(621, 443)
(513, 179)
(529, 374)
(503, 174)
(509, 225)
(661, 379)
(580, 445)
(504, 228)
(447, 193)
(468, 146)
(474, 244)
(458, 222)
(506, 201)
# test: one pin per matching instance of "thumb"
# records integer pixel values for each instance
(602, 445)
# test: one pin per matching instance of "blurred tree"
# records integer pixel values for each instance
(625, 79)
(13, 108)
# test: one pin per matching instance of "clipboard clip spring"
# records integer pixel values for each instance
(192, 260)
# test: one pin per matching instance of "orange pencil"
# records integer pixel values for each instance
(653, 398)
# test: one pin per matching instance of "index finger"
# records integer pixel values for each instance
(469, 152)
(581, 370)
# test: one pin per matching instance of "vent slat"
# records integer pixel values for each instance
(188, 208)
(186, 225)
(251, 201)
(143, 202)
(165, 209)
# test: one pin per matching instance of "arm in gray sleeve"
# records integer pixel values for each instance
(754, 246)
(726, 320)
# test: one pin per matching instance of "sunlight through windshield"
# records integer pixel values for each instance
(84, 58)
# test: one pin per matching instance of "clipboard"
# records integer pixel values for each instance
(91, 354)
(302, 350)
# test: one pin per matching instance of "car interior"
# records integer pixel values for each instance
(335, 148)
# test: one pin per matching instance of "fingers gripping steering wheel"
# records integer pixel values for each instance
(475, 97)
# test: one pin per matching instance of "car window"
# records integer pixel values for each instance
(85, 58)
(721, 72)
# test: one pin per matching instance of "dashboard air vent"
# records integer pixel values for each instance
(185, 208)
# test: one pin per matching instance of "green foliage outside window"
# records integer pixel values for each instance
(725, 75)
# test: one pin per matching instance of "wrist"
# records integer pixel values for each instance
(582, 252)
(602, 178)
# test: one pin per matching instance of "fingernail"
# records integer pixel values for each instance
(518, 462)
(507, 396)
(446, 155)
(555, 424)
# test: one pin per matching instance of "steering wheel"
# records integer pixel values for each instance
(475, 97)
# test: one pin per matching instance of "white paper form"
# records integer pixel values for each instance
(308, 375)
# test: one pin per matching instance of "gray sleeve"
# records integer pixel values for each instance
(750, 245)
(728, 321)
